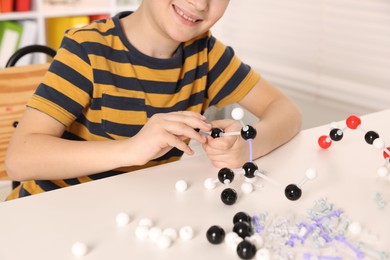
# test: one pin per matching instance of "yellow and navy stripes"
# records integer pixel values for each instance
(101, 87)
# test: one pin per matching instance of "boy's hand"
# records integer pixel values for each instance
(227, 151)
(164, 131)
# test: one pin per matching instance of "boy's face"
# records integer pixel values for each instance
(183, 20)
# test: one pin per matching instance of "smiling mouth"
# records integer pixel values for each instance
(184, 16)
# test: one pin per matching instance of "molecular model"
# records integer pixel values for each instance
(324, 233)
(371, 137)
(249, 169)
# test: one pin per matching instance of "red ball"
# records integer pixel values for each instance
(324, 142)
(353, 122)
(385, 154)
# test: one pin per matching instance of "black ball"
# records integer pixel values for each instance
(242, 217)
(293, 192)
(370, 136)
(215, 235)
(250, 168)
(246, 250)
(243, 229)
(336, 134)
(216, 132)
(229, 196)
(225, 174)
(248, 132)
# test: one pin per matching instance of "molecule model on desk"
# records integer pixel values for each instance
(371, 137)
(249, 169)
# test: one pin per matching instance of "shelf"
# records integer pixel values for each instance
(18, 16)
(42, 11)
(65, 13)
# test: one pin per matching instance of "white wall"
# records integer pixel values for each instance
(332, 57)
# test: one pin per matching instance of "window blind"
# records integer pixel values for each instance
(334, 51)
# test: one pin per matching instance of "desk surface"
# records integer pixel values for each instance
(45, 226)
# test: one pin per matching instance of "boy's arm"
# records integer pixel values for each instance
(36, 150)
(280, 120)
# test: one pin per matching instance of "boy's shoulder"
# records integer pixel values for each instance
(101, 26)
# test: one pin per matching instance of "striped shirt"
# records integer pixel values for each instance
(102, 88)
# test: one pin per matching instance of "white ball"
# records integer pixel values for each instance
(382, 171)
(122, 219)
(186, 233)
(171, 233)
(379, 144)
(230, 237)
(263, 254)
(247, 187)
(237, 113)
(145, 222)
(355, 228)
(210, 184)
(234, 244)
(154, 233)
(256, 240)
(142, 232)
(79, 249)
(311, 173)
(181, 185)
(164, 242)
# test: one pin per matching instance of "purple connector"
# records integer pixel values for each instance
(359, 254)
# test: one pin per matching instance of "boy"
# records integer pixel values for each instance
(127, 93)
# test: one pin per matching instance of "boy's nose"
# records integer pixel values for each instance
(200, 5)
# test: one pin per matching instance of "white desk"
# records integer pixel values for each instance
(45, 226)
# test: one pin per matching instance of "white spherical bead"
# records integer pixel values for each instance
(311, 173)
(210, 184)
(142, 232)
(247, 187)
(164, 242)
(145, 222)
(355, 228)
(379, 144)
(122, 219)
(382, 171)
(186, 233)
(171, 233)
(230, 237)
(237, 113)
(233, 245)
(181, 185)
(79, 249)
(154, 233)
(256, 240)
(263, 254)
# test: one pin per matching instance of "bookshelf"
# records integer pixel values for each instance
(43, 10)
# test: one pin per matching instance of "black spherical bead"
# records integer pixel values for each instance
(243, 229)
(225, 174)
(216, 132)
(242, 217)
(229, 196)
(293, 192)
(246, 250)
(15, 124)
(250, 168)
(370, 136)
(215, 235)
(336, 134)
(248, 132)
